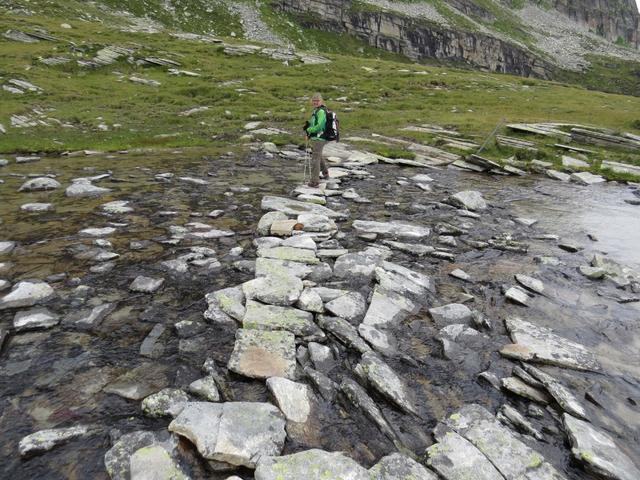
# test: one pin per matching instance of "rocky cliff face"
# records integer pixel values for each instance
(614, 20)
(416, 38)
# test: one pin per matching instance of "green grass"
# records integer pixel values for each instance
(607, 74)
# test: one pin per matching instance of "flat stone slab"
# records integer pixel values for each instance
(230, 300)
(344, 331)
(270, 317)
(117, 207)
(597, 451)
(538, 344)
(146, 284)
(530, 283)
(450, 314)
(238, 433)
(300, 255)
(273, 267)
(34, 319)
(81, 189)
(117, 460)
(27, 294)
(281, 290)
(392, 229)
(292, 398)
(567, 401)
(260, 354)
(39, 184)
(518, 387)
(310, 465)
(139, 382)
(587, 178)
(97, 232)
(45, 440)
(296, 207)
(6, 247)
(400, 467)
(154, 462)
(89, 319)
(351, 306)
(468, 199)
(517, 295)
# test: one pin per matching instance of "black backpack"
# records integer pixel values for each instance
(332, 126)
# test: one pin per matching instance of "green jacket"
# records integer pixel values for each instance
(317, 123)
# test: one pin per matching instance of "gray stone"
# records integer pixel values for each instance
(37, 207)
(517, 295)
(155, 463)
(597, 451)
(26, 294)
(387, 308)
(410, 248)
(295, 207)
(539, 344)
(343, 331)
(392, 229)
(360, 399)
(351, 306)
(517, 386)
(300, 255)
(89, 319)
(593, 273)
(4, 285)
(118, 459)
(530, 283)
(292, 398)
(356, 267)
(310, 301)
(460, 274)
(396, 278)
(327, 294)
(310, 465)
(567, 401)
(270, 317)
(281, 290)
(39, 184)
(237, 433)
(205, 388)
(34, 319)
(321, 356)
(265, 222)
(468, 199)
(313, 222)
(6, 247)
(152, 347)
(511, 416)
(117, 207)
(573, 164)
(527, 222)
(556, 175)
(300, 241)
(587, 178)
(231, 301)
(44, 440)
(97, 232)
(189, 328)
(385, 380)
(168, 402)
(450, 314)
(146, 284)
(84, 188)
(260, 354)
(139, 382)
(273, 267)
(399, 467)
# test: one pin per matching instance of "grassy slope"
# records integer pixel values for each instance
(382, 99)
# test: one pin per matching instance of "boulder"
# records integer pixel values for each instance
(118, 459)
(155, 463)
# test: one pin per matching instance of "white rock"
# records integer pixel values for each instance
(517, 295)
(6, 247)
(45, 440)
(37, 207)
(292, 398)
(84, 188)
(40, 183)
(530, 283)
(98, 232)
(26, 294)
(450, 314)
(469, 199)
(146, 284)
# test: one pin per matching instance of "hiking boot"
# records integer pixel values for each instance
(325, 175)
(313, 184)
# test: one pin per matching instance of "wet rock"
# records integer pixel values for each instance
(396, 278)
(313, 222)
(300, 241)
(238, 433)
(45, 440)
(587, 178)
(37, 207)
(517, 386)
(539, 344)
(468, 199)
(455, 458)
(410, 248)
(277, 268)
(146, 284)
(4, 285)
(292, 398)
(326, 387)
(189, 328)
(321, 356)
(152, 347)
(300, 255)
(556, 175)
(385, 380)
(84, 188)
(118, 459)
(597, 451)
(530, 283)
(270, 317)
(343, 331)
(39, 184)
(205, 388)
(356, 267)
(517, 295)
(27, 294)
(311, 465)
(310, 301)
(34, 319)
(259, 354)
(117, 207)
(97, 232)
(139, 382)
(89, 319)
(491, 379)
(155, 463)
(265, 222)
(593, 273)
(450, 314)
(295, 207)
(351, 306)
(3, 336)
(392, 229)
(281, 290)
(511, 416)
(168, 402)
(361, 400)
(527, 222)
(569, 247)
(460, 274)
(567, 401)
(230, 300)
(399, 467)
(6, 247)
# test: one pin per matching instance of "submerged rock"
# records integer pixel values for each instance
(238, 433)
(310, 465)
(259, 354)
(597, 451)
(139, 382)
(45, 440)
(37, 207)
(167, 402)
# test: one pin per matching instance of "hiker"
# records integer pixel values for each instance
(314, 130)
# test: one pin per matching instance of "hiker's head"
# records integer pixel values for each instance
(316, 100)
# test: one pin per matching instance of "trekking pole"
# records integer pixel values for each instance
(307, 163)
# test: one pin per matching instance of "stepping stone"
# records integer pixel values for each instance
(517, 295)
(270, 317)
(27, 294)
(343, 331)
(292, 398)
(281, 290)
(351, 306)
(273, 267)
(230, 300)
(300, 255)
(406, 282)
(598, 452)
(168, 402)
(538, 344)
(572, 164)
(34, 319)
(237, 433)
(400, 467)
(393, 229)
(468, 199)
(310, 301)
(556, 175)
(310, 465)
(259, 354)
(39, 184)
(45, 440)
(265, 222)
(117, 460)
(146, 284)
(296, 207)
(155, 462)
(313, 222)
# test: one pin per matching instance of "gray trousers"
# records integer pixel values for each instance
(317, 160)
